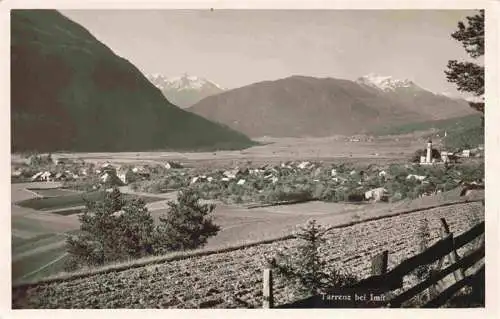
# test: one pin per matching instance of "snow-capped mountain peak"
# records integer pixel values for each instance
(182, 82)
(385, 83)
(184, 90)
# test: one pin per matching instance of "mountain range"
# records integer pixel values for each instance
(70, 92)
(299, 106)
(185, 90)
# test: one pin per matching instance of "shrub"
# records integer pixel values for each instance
(355, 196)
(187, 224)
(305, 268)
(289, 195)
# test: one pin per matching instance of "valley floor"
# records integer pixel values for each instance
(275, 150)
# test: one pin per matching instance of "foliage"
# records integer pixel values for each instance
(118, 228)
(36, 160)
(466, 138)
(463, 132)
(290, 195)
(438, 126)
(306, 267)
(106, 233)
(167, 181)
(187, 224)
(468, 76)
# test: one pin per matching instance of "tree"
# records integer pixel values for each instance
(116, 199)
(468, 76)
(305, 265)
(187, 224)
(96, 243)
(116, 229)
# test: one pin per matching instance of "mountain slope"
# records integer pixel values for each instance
(411, 96)
(306, 106)
(70, 92)
(186, 90)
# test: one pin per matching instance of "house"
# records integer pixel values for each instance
(106, 177)
(36, 176)
(17, 173)
(122, 174)
(256, 171)
(198, 178)
(303, 165)
(171, 164)
(286, 165)
(417, 177)
(444, 157)
(377, 194)
(46, 176)
(231, 174)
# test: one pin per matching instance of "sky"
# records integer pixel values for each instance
(234, 48)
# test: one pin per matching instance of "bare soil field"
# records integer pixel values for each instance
(234, 279)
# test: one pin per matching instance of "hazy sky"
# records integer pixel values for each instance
(238, 47)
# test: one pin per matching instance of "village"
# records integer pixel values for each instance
(429, 172)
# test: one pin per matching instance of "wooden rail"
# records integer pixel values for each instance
(386, 281)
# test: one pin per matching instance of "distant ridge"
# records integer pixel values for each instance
(301, 106)
(70, 92)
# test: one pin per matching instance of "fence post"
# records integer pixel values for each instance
(453, 256)
(379, 267)
(267, 292)
(379, 263)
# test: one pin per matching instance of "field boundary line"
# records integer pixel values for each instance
(148, 261)
(33, 192)
(45, 266)
(40, 249)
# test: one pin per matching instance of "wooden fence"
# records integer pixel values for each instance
(385, 281)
